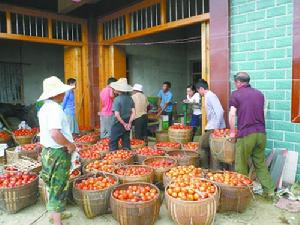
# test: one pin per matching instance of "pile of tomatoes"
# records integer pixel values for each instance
(89, 154)
(4, 135)
(221, 133)
(161, 163)
(74, 174)
(30, 147)
(183, 172)
(16, 179)
(149, 151)
(180, 127)
(25, 132)
(85, 138)
(104, 141)
(167, 144)
(100, 147)
(191, 189)
(96, 183)
(136, 193)
(133, 142)
(191, 146)
(133, 171)
(103, 165)
(229, 178)
(118, 155)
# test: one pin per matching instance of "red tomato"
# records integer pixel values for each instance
(136, 193)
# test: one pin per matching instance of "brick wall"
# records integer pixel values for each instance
(261, 44)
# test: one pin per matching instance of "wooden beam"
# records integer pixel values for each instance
(159, 28)
(8, 23)
(50, 28)
(39, 39)
(127, 24)
(163, 11)
(40, 13)
(128, 10)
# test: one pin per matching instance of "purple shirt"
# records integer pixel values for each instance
(249, 103)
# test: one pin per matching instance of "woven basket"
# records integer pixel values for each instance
(181, 136)
(147, 178)
(186, 158)
(135, 213)
(14, 199)
(5, 139)
(12, 155)
(22, 140)
(159, 172)
(222, 149)
(113, 167)
(167, 149)
(200, 212)
(93, 203)
(135, 147)
(26, 164)
(141, 158)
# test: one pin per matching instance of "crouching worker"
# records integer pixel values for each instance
(56, 138)
(124, 112)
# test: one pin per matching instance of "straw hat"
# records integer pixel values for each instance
(121, 85)
(52, 87)
(138, 87)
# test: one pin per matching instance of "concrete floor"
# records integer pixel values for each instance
(260, 212)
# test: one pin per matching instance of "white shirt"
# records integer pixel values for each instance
(214, 112)
(51, 116)
(196, 99)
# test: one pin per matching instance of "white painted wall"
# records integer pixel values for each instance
(43, 61)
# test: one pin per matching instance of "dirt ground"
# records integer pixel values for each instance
(259, 212)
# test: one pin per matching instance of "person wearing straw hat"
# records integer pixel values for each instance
(141, 104)
(124, 112)
(57, 141)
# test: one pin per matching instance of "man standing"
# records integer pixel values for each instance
(106, 114)
(165, 101)
(141, 118)
(215, 120)
(123, 109)
(56, 138)
(69, 106)
(248, 104)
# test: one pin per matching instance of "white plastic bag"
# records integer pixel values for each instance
(23, 125)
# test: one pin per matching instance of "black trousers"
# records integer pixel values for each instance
(118, 132)
(141, 126)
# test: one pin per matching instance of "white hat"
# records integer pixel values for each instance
(121, 85)
(138, 87)
(52, 87)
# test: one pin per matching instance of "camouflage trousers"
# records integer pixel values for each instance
(55, 173)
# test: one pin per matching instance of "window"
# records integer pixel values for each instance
(195, 71)
(296, 66)
(11, 83)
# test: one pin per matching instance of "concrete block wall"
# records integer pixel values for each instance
(261, 44)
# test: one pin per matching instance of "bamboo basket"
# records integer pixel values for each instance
(159, 172)
(181, 136)
(22, 140)
(12, 200)
(187, 158)
(222, 149)
(26, 164)
(5, 140)
(147, 178)
(85, 161)
(114, 166)
(200, 212)
(12, 155)
(128, 161)
(135, 147)
(93, 203)
(135, 213)
(234, 198)
(162, 136)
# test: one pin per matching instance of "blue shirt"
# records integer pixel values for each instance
(165, 98)
(68, 104)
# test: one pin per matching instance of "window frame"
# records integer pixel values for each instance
(295, 106)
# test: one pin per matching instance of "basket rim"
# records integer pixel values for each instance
(160, 157)
(23, 185)
(192, 153)
(135, 184)
(201, 200)
(227, 185)
(94, 174)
